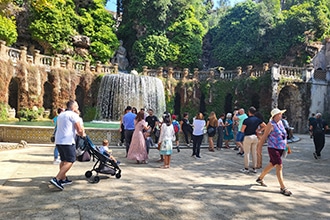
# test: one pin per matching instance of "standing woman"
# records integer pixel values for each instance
(199, 124)
(228, 130)
(220, 131)
(277, 140)
(165, 140)
(186, 128)
(138, 150)
(211, 127)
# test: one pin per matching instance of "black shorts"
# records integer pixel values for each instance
(67, 152)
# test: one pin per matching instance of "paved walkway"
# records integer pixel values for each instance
(209, 188)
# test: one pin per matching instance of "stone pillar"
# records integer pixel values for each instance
(23, 53)
(3, 50)
(115, 68)
(160, 72)
(275, 81)
(69, 63)
(249, 70)
(308, 73)
(265, 67)
(87, 66)
(196, 72)
(98, 67)
(328, 73)
(57, 61)
(327, 52)
(145, 71)
(36, 57)
(170, 72)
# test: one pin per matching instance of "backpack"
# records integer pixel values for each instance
(318, 129)
(176, 126)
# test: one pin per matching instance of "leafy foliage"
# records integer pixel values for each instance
(8, 31)
(53, 24)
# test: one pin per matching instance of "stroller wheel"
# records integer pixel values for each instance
(88, 174)
(118, 175)
(96, 179)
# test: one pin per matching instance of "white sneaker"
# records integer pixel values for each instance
(243, 170)
(254, 170)
(57, 161)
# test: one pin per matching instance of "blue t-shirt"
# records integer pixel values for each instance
(128, 121)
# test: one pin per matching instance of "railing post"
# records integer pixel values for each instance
(36, 57)
(87, 65)
(69, 63)
(115, 68)
(57, 61)
(145, 71)
(3, 49)
(98, 67)
(23, 53)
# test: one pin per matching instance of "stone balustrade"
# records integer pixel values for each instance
(217, 73)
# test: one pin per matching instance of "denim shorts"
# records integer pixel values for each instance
(239, 136)
(67, 152)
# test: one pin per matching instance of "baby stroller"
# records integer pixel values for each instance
(103, 163)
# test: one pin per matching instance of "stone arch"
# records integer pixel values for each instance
(80, 94)
(255, 100)
(228, 103)
(13, 91)
(48, 96)
(177, 103)
(290, 98)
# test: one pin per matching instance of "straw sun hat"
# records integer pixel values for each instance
(276, 111)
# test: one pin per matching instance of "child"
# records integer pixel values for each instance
(149, 141)
(104, 149)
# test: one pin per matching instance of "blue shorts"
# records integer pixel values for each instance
(67, 152)
(239, 136)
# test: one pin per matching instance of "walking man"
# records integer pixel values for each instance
(68, 124)
(318, 128)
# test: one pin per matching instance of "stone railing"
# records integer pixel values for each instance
(217, 73)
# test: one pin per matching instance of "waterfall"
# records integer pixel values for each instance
(120, 90)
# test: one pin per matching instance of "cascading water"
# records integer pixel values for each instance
(120, 90)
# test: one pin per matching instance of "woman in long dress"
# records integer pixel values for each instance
(137, 150)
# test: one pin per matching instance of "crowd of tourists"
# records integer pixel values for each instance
(141, 130)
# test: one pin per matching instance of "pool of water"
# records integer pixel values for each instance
(113, 125)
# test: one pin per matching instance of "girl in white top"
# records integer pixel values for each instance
(167, 135)
(198, 132)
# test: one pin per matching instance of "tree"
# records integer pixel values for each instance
(8, 32)
(238, 37)
(53, 24)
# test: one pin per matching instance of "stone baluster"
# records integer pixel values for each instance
(3, 50)
(145, 71)
(23, 53)
(36, 57)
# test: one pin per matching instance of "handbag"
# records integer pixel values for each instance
(52, 138)
(210, 130)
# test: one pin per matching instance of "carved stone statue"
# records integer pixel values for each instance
(120, 57)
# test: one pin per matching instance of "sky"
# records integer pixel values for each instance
(111, 4)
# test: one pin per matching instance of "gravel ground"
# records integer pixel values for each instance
(208, 188)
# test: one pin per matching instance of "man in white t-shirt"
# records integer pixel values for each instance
(68, 125)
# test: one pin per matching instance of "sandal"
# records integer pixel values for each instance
(261, 182)
(164, 167)
(285, 192)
